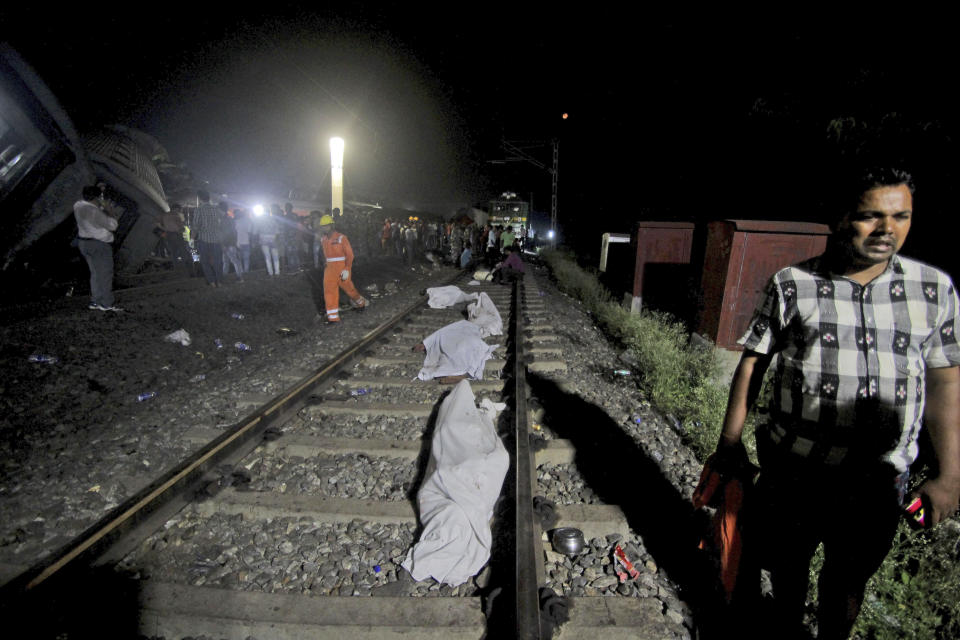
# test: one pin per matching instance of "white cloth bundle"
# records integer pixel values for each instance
(443, 297)
(484, 314)
(468, 463)
(456, 349)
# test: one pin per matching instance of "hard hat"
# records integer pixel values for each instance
(325, 220)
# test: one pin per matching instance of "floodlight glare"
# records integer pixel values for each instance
(336, 153)
(258, 210)
(336, 173)
(550, 234)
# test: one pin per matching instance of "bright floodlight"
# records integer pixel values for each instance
(550, 234)
(258, 210)
(336, 174)
(336, 153)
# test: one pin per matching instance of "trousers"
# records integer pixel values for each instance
(331, 291)
(99, 257)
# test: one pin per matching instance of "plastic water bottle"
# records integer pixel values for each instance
(360, 392)
(43, 359)
(146, 396)
(200, 377)
(237, 316)
(241, 347)
(218, 342)
(621, 372)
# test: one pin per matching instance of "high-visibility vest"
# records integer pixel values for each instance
(337, 249)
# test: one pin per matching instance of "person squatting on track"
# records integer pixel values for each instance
(94, 234)
(337, 274)
(511, 268)
(867, 344)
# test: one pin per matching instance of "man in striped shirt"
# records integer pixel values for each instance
(207, 227)
(868, 354)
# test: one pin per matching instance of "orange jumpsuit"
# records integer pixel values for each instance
(339, 256)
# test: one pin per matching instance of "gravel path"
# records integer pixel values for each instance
(74, 439)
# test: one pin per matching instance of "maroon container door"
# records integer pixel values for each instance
(763, 254)
(741, 257)
(662, 265)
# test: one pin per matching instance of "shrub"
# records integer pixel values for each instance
(678, 378)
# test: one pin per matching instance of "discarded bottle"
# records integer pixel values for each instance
(146, 396)
(239, 346)
(218, 342)
(637, 419)
(621, 372)
(376, 568)
(44, 359)
(360, 392)
(200, 377)
(237, 316)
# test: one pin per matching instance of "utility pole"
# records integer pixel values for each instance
(553, 192)
(523, 155)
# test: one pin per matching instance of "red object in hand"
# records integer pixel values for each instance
(916, 513)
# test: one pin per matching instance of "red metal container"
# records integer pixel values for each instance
(740, 257)
(662, 266)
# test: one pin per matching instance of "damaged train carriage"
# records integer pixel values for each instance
(44, 164)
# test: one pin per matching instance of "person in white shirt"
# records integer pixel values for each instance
(95, 233)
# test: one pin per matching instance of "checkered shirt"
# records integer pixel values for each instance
(206, 223)
(850, 376)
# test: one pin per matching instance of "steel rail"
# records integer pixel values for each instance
(527, 533)
(180, 480)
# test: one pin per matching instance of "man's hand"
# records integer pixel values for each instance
(942, 420)
(344, 274)
(944, 496)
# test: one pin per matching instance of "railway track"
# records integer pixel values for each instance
(281, 527)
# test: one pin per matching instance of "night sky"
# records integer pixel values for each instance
(671, 117)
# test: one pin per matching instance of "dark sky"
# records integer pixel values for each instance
(670, 116)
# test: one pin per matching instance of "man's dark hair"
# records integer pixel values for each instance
(849, 184)
(223, 206)
(203, 195)
(91, 193)
(873, 177)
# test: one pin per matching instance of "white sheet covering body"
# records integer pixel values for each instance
(454, 350)
(456, 500)
(443, 297)
(484, 314)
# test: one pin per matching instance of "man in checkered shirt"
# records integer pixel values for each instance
(868, 354)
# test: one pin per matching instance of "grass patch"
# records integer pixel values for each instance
(677, 377)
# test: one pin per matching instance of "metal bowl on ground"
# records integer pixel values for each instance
(568, 541)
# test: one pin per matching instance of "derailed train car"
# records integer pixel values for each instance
(45, 163)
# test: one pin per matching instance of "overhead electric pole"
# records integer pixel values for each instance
(520, 154)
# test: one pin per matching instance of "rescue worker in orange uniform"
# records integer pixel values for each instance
(338, 255)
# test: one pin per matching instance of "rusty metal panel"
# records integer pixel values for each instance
(741, 256)
(662, 264)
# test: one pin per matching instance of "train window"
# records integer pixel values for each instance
(21, 144)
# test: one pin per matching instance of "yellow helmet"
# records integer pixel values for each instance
(325, 220)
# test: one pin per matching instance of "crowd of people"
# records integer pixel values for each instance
(456, 243)
(210, 239)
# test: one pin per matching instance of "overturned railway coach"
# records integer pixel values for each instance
(44, 164)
